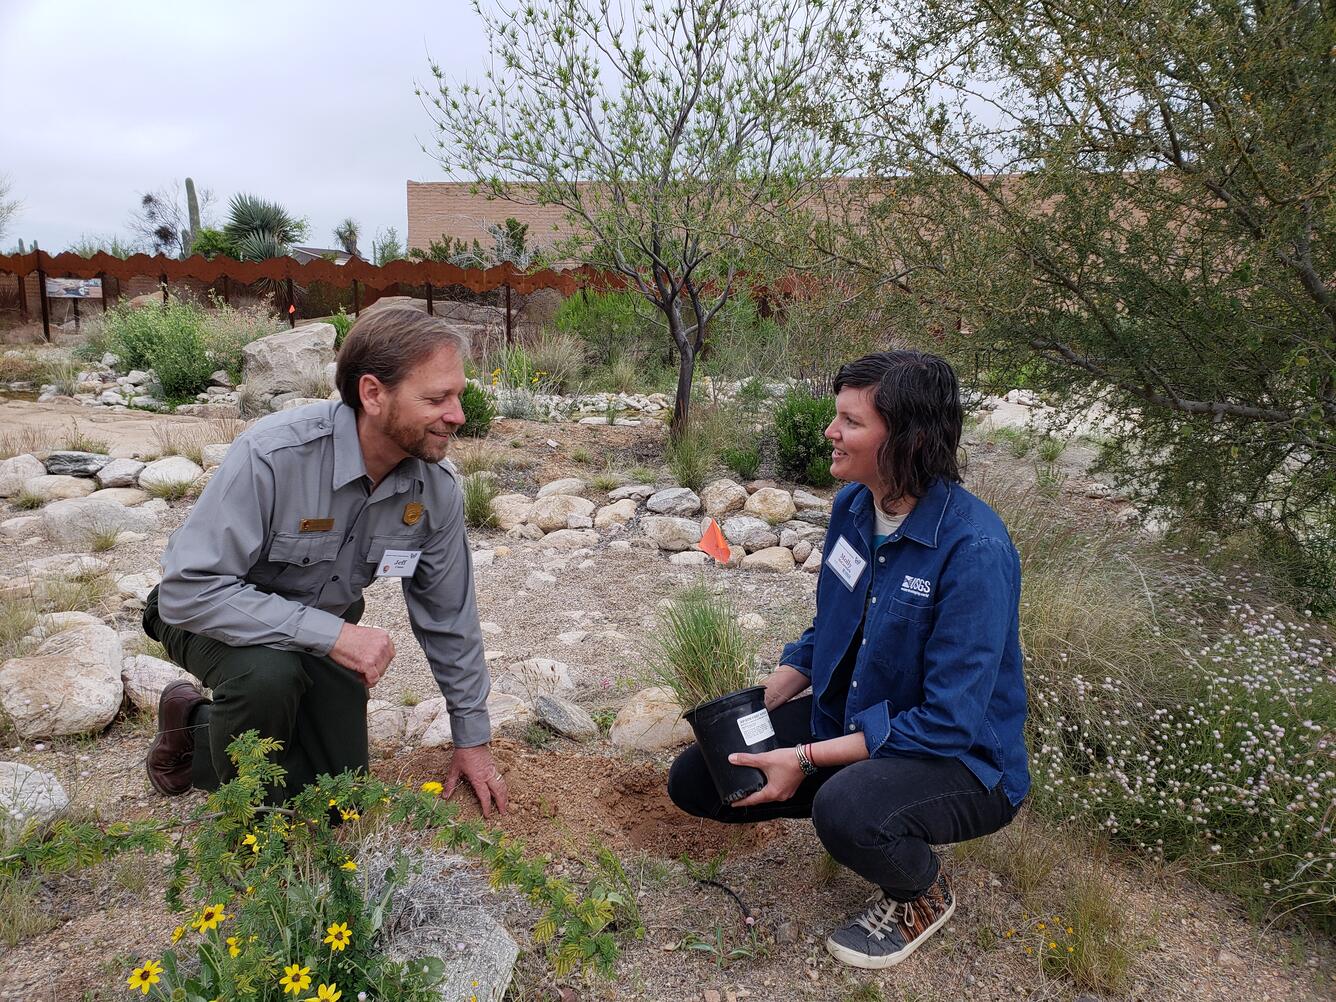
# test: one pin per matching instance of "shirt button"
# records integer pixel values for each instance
(851, 728)
(334, 578)
(881, 560)
(874, 599)
(855, 684)
(306, 560)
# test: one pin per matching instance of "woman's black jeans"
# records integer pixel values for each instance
(879, 817)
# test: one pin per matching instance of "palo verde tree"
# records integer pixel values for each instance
(661, 129)
(1130, 203)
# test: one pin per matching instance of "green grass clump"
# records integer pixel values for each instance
(480, 490)
(698, 649)
(478, 411)
(689, 459)
(172, 490)
(76, 441)
(26, 500)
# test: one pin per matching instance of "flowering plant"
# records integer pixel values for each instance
(276, 900)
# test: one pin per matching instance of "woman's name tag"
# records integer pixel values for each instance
(846, 563)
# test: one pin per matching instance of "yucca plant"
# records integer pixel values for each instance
(698, 650)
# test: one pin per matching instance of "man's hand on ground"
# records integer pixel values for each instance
(476, 765)
(366, 650)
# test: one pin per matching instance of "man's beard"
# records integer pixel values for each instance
(415, 440)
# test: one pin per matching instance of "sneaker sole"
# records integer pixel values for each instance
(862, 961)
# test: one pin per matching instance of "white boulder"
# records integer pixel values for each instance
(566, 485)
(670, 533)
(28, 797)
(55, 487)
(168, 471)
(554, 511)
(771, 504)
(650, 720)
(723, 497)
(75, 521)
(17, 471)
(284, 361)
(70, 685)
(776, 559)
(120, 473)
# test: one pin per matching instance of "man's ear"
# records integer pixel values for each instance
(373, 393)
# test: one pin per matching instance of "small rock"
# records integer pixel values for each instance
(538, 581)
(58, 488)
(688, 558)
(650, 720)
(172, 470)
(723, 497)
(213, 455)
(17, 471)
(617, 513)
(566, 485)
(70, 685)
(220, 378)
(525, 531)
(75, 464)
(751, 621)
(126, 497)
(21, 527)
(579, 522)
(632, 492)
(813, 562)
(749, 533)
(554, 511)
(565, 717)
(755, 485)
(137, 586)
(670, 533)
(119, 473)
(786, 933)
(510, 510)
(145, 677)
(774, 558)
(386, 724)
(570, 539)
(28, 796)
(677, 501)
(804, 501)
(483, 558)
(802, 550)
(771, 504)
(533, 677)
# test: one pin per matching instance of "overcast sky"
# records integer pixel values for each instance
(307, 103)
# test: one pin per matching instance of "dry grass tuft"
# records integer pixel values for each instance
(21, 442)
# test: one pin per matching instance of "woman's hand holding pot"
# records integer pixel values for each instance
(783, 774)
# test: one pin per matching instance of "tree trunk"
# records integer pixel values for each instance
(686, 368)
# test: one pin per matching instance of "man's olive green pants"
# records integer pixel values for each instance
(315, 707)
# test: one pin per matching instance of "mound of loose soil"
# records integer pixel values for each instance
(560, 803)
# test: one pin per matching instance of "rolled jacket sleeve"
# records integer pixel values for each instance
(444, 615)
(971, 625)
(204, 588)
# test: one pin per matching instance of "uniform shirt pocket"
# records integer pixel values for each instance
(297, 562)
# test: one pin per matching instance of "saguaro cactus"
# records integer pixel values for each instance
(192, 206)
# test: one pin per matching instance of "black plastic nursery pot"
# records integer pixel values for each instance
(737, 722)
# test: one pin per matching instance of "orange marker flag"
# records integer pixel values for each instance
(713, 544)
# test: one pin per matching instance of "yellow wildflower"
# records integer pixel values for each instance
(333, 802)
(432, 786)
(350, 814)
(348, 865)
(233, 946)
(1009, 933)
(177, 933)
(1041, 927)
(251, 841)
(338, 936)
(208, 918)
(1052, 945)
(296, 979)
(1071, 949)
(325, 993)
(145, 977)
(1069, 930)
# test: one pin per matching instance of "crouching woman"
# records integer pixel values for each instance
(912, 734)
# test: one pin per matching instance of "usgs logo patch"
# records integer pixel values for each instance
(916, 586)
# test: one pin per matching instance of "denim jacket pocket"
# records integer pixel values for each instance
(910, 611)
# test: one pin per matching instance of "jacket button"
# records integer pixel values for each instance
(855, 683)
(865, 641)
(874, 599)
(851, 728)
(881, 560)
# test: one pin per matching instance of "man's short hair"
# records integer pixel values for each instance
(387, 344)
(918, 397)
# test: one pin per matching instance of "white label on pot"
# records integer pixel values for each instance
(756, 727)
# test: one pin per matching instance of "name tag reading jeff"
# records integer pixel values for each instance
(398, 563)
(846, 563)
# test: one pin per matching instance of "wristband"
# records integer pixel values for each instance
(804, 762)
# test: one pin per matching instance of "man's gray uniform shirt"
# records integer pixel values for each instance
(288, 532)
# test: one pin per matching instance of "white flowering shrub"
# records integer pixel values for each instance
(1174, 711)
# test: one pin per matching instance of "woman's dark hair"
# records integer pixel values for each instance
(918, 397)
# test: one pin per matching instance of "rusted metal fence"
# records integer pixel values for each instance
(356, 274)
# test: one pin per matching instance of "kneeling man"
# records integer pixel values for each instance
(262, 586)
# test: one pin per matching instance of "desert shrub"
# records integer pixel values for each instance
(274, 901)
(342, 325)
(23, 367)
(479, 491)
(744, 460)
(698, 650)
(228, 329)
(169, 340)
(1175, 713)
(742, 342)
(606, 323)
(557, 361)
(478, 411)
(802, 451)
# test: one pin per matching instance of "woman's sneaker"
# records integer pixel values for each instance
(887, 931)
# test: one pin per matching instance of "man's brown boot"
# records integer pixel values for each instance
(170, 755)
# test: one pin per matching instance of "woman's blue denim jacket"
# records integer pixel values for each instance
(921, 653)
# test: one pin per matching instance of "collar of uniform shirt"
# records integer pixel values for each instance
(348, 462)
